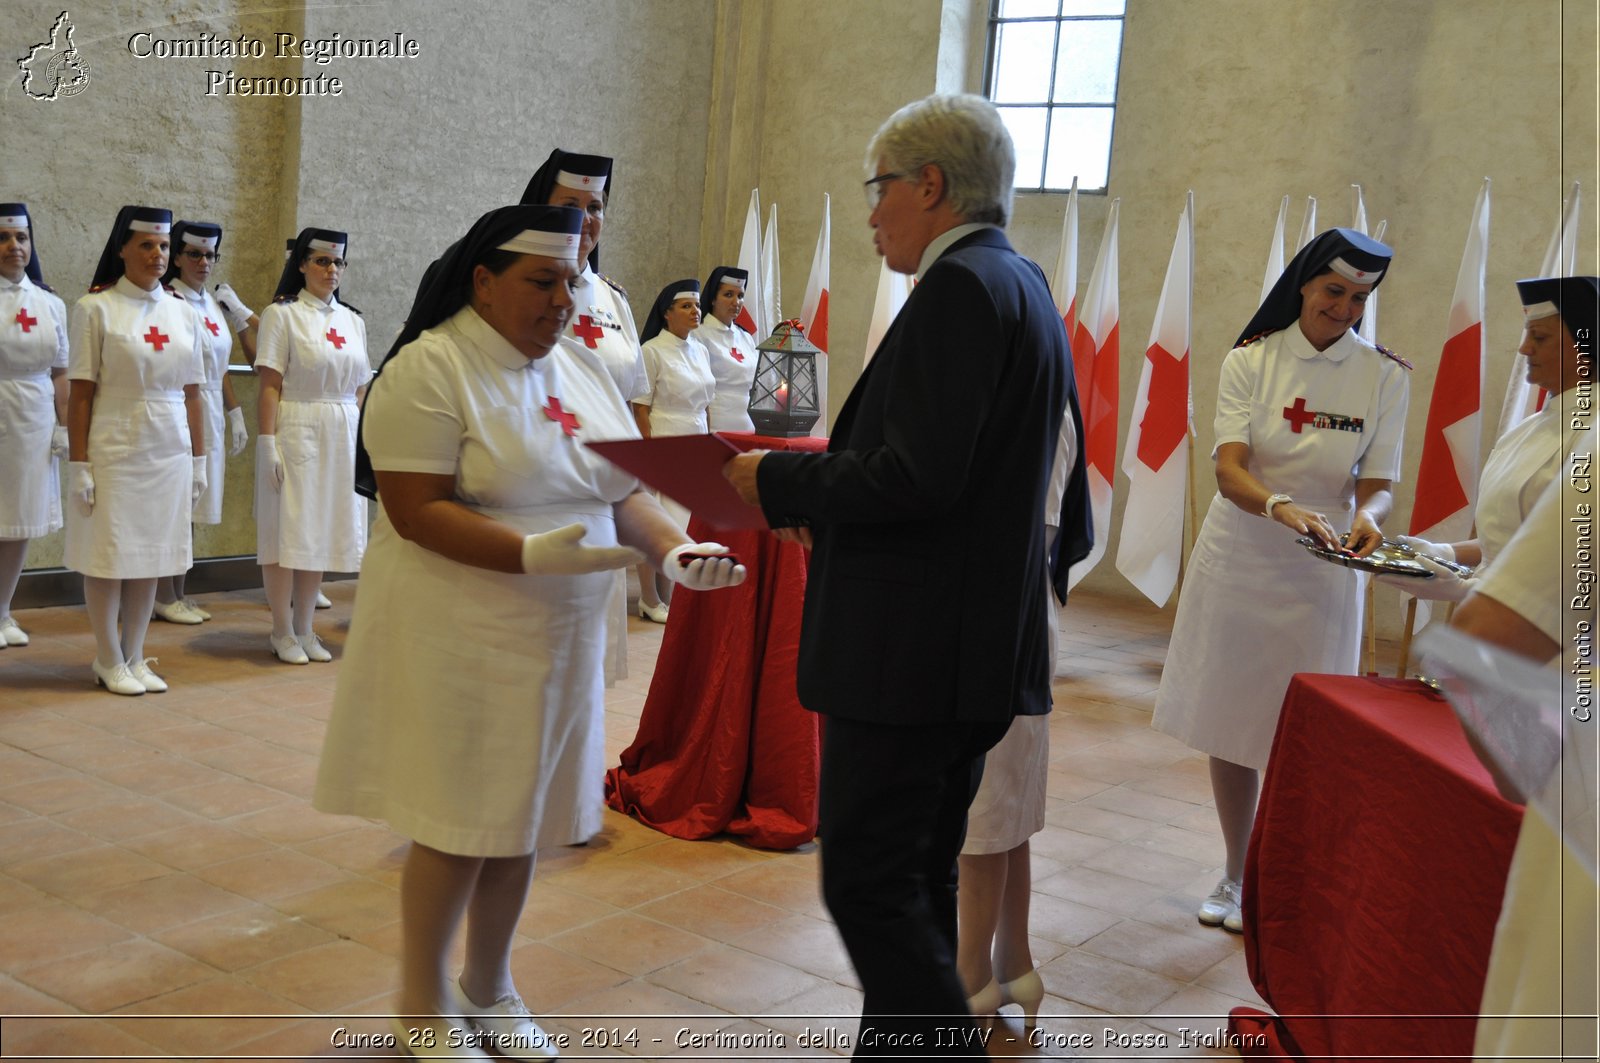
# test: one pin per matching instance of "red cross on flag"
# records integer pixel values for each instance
(1095, 354)
(1447, 477)
(1156, 456)
(814, 312)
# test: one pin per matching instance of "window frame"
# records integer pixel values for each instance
(1049, 106)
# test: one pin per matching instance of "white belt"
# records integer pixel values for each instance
(319, 396)
(143, 394)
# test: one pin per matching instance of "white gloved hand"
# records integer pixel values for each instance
(58, 442)
(1447, 585)
(82, 486)
(269, 461)
(238, 437)
(702, 569)
(562, 553)
(1423, 546)
(197, 482)
(233, 307)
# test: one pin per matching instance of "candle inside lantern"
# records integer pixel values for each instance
(781, 393)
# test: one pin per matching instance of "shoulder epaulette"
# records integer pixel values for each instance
(352, 309)
(170, 290)
(619, 288)
(1257, 338)
(95, 289)
(1387, 353)
(285, 298)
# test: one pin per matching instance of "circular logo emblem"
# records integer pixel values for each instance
(67, 74)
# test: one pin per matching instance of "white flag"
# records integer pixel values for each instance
(1560, 260)
(814, 311)
(893, 291)
(750, 262)
(1095, 362)
(1308, 227)
(771, 281)
(1275, 252)
(1156, 457)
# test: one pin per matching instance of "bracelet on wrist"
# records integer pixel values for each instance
(1273, 501)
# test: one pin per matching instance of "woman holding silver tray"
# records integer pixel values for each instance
(1309, 424)
(1555, 310)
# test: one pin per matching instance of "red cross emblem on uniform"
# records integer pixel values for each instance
(336, 339)
(155, 339)
(587, 331)
(1298, 416)
(25, 321)
(567, 421)
(734, 351)
(212, 325)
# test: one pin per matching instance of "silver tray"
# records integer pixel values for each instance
(1390, 558)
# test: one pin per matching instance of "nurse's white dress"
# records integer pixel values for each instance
(218, 350)
(469, 712)
(141, 349)
(314, 521)
(681, 390)
(33, 341)
(732, 353)
(1256, 608)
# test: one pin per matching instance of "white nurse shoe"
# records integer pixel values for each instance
(287, 650)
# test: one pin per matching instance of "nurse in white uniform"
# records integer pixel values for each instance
(732, 349)
(312, 360)
(677, 368)
(469, 711)
(601, 321)
(1309, 424)
(196, 249)
(137, 452)
(33, 406)
(1528, 456)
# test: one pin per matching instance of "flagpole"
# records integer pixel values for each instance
(1405, 639)
(1190, 487)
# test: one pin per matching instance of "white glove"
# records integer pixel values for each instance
(1423, 546)
(233, 307)
(237, 436)
(1447, 585)
(562, 553)
(269, 462)
(58, 442)
(702, 570)
(197, 482)
(82, 486)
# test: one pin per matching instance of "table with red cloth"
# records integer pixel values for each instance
(1374, 876)
(724, 745)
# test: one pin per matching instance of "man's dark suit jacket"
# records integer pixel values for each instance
(926, 600)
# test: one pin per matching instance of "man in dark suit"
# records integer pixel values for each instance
(925, 612)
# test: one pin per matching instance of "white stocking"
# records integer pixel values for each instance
(12, 553)
(305, 599)
(279, 584)
(138, 595)
(101, 600)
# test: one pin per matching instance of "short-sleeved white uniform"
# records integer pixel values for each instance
(1519, 468)
(681, 389)
(1256, 608)
(469, 712)
(141, 349)
(732, 353)
(603, 323)
(218, 350)
(33, 341)
(314, 521)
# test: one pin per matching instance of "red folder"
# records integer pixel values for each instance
(687, 469)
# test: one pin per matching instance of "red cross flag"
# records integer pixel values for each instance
(1447, 478)
(814, 312)
(1560, 260)
(1095, 354)
(750, 316)
(1156, 456)
(893, 291)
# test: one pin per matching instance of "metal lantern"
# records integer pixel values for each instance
(783, 396)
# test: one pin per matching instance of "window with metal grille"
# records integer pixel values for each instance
(1052, 72)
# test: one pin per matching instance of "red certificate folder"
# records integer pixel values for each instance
(687, 469)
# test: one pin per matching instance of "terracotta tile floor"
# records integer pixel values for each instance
(159, 860)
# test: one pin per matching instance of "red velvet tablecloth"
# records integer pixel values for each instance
(1374, 876)
(724, 745)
